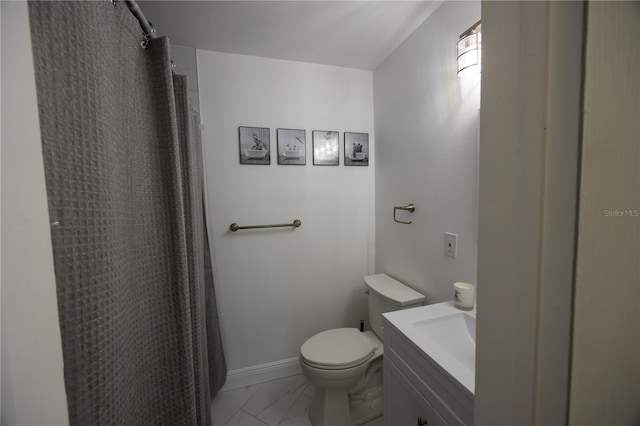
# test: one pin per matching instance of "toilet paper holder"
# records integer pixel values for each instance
(410, 208)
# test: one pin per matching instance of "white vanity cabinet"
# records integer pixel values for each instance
(417, 390)
(405, 405)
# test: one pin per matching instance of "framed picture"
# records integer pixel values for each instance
(326, 148)
(292, 146)
(356, 149)
(254, 145)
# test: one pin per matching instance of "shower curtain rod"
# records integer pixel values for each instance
(147, 28)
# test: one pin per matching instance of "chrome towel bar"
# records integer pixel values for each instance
(295, 224)
(410, 208)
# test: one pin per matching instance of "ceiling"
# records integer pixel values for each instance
(355, 34)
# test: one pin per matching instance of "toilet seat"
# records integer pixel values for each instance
(337, 349)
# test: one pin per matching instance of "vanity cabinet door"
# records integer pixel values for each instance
(404, 406)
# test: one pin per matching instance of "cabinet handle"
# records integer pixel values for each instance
(422, 422)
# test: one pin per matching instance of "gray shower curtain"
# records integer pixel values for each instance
(124, 186)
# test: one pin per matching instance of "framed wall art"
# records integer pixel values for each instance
(254, 145)
(326, 148)
(356, 149)
(292, 146)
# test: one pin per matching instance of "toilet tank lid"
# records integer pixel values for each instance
(392, 289)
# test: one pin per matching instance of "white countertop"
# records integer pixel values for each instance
(447, 340)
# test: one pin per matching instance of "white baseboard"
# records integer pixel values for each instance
(261, 373)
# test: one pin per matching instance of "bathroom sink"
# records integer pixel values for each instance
(445, 334)
(454, 334)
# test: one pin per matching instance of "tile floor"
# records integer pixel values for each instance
(278, 402)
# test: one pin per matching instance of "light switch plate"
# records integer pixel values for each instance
(451, 245)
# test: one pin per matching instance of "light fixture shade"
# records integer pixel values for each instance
(470, 51)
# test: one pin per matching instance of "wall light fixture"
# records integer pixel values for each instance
(470, 51)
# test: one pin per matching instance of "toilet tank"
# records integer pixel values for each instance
(385, 295)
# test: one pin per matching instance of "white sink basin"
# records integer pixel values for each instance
(446, 334)
(454, 334)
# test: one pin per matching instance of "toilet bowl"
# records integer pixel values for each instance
(338, 363)
(345, 364)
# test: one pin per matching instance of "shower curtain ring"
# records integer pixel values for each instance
(144, 43)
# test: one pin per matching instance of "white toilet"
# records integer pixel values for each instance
(345, 365)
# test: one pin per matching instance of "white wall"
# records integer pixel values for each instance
(276, 288)
(33, 390)
(426, 121)
(605, 369)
